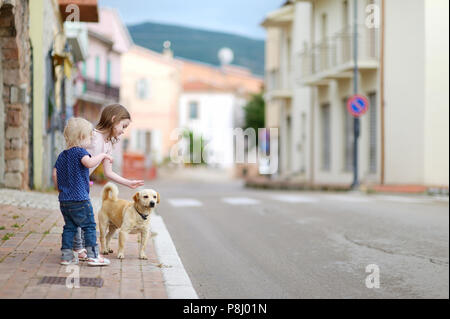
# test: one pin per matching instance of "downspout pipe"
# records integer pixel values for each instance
(382, 164)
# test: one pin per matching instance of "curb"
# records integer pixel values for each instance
(290, 185)
(177, 282)
(264, 183)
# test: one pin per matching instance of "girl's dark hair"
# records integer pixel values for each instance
(106, 123)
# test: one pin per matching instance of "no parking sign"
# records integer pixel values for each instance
(357, 105)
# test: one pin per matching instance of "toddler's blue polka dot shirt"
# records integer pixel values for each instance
(72, 175)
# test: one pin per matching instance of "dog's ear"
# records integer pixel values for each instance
(136, 197)
(157, 200)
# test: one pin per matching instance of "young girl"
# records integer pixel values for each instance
(113, 121)
(71, 178)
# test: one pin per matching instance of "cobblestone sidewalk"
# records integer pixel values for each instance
(30, 241)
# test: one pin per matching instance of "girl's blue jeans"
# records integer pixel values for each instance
(78, 214)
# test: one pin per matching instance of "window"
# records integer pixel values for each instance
(326, 137)
(372, 132)
(324, 27)
(142, 141)
(139, 140)
(345, 14)
(289, 51)
(84, 72)
(108, 73)
(97, 69)
(324, 50)
(272, 80)
(148, 142)
(142, 89)
(193, 110)
(302, 145)
(348, 137)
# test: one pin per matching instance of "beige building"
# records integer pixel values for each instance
(164, 93)
(288, 102)
(403, 71)
(150, 90)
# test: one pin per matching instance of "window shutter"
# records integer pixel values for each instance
(326, 137)
(372, 133)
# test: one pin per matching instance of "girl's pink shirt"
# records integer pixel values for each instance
(98, 146)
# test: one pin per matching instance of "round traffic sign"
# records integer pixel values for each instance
(357, 105)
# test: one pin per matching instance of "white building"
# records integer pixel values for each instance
(211, 105)
(212, 112)
(403, 70)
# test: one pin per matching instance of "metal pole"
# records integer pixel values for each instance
(355, 183)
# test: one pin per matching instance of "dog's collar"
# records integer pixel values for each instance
(144, 217)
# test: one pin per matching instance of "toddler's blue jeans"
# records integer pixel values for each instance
(78, 214)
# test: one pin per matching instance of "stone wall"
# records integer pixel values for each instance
(15, 69)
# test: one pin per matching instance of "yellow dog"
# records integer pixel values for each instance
(130, 217)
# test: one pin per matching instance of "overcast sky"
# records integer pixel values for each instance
(242, 17)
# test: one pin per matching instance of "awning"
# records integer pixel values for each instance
(88, 10)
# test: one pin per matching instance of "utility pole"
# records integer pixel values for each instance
(356, 124)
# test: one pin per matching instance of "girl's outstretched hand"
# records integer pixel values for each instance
(135, 183)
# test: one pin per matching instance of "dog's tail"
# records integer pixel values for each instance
(108, 189)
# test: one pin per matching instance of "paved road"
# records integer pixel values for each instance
(240, 243)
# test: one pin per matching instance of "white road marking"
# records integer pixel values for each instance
(347, 198)
(184, 202)
(240, 201)
(307, 220)
(295, 199)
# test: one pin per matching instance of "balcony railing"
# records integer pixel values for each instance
(337, 51)
(102, 90)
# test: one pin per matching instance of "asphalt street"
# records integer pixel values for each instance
(236, 242)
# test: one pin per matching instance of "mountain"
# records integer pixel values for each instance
(200, 45)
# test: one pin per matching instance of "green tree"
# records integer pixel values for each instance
(254, 113)
(195, 158)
